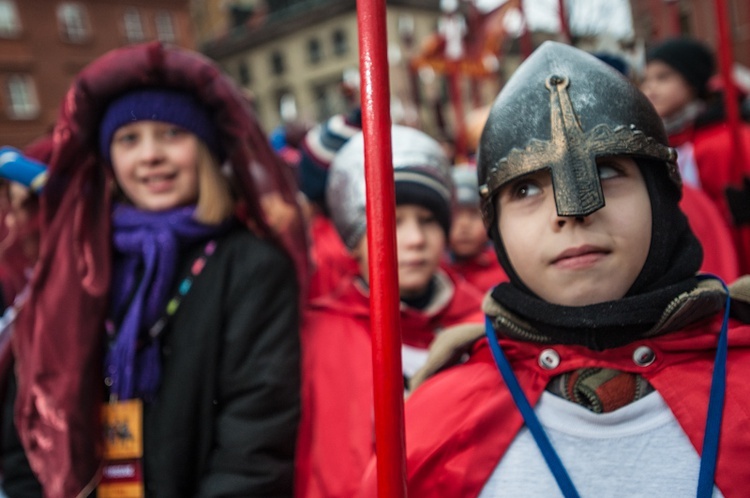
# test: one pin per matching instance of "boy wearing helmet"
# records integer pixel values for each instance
(336, 431)
(595, 377)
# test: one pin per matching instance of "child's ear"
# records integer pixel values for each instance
(356, 253)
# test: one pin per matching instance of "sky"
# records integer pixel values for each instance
(585, 17)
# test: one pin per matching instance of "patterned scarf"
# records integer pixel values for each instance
(147, 247)
(600, 390)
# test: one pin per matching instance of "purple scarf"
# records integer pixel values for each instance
(147, 249)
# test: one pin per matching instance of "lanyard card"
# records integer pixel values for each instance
(122, 474)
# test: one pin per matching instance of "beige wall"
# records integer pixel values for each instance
(302, 77)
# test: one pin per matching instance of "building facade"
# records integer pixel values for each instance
(299, 60)
(661, 19)
(45, 43)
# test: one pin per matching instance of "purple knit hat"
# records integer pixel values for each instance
(159, 104)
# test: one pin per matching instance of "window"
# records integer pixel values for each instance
(340, 45)
(164, 26)
(288, 107)
(10, 23)
(327, 99)
(22, 102)
(277, 63)
(133, 26)
(73, 22)
(313, 50)
(243, 72)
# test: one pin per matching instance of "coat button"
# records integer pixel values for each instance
(549, 359)
(643, 356)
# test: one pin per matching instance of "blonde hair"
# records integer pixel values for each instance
(216, 201)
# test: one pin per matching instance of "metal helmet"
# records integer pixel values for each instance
(561, 110)
(421, 173)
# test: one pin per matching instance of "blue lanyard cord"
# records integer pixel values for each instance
(709, 453)
(527, 412)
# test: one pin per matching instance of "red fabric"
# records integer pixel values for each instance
(58, 339)
(713, 232)
(454, 454)
(712, 150)
(336, 432)
(331, 261)
(482, 271)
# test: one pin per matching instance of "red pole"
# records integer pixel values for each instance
(564, 27)
(674, 16)
(526, 42)
(381, 245)
(726, 61)
(454, 89)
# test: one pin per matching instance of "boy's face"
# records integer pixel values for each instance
(666, 89)
(420, 243)
(468, 236)
(156, 164)
(578, 261)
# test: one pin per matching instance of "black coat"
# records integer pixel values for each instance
(225, 419)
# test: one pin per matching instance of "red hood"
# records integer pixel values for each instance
(417, 327)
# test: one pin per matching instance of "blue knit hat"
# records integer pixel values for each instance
(319, 147)
(159, 104)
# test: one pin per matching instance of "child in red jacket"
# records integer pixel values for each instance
(336, 431)
(676, 82)
(471, 254)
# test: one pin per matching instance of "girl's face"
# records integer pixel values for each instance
(156, 164)
(420, 243)
(578, 261)
(666, 89)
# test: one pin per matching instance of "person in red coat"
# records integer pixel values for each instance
(470, 253)
(677, 82)
(713, 232)
(336, 431)
(608, 368)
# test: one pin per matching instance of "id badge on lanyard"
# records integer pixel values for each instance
(122, 473)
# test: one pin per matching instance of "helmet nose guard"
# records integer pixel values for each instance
(559, 142)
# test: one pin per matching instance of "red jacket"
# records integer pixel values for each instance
(331, 261)
(336, 432)
(455, 453)
(712, 151)
(713, 232)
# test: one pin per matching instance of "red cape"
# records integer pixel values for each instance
(336, 431)
(460, 423)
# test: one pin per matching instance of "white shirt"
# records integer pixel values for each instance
(637, 450)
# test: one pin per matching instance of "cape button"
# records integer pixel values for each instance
(549, 359)
(643, 356)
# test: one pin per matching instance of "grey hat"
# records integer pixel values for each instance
(467, 186)
(421, 175)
